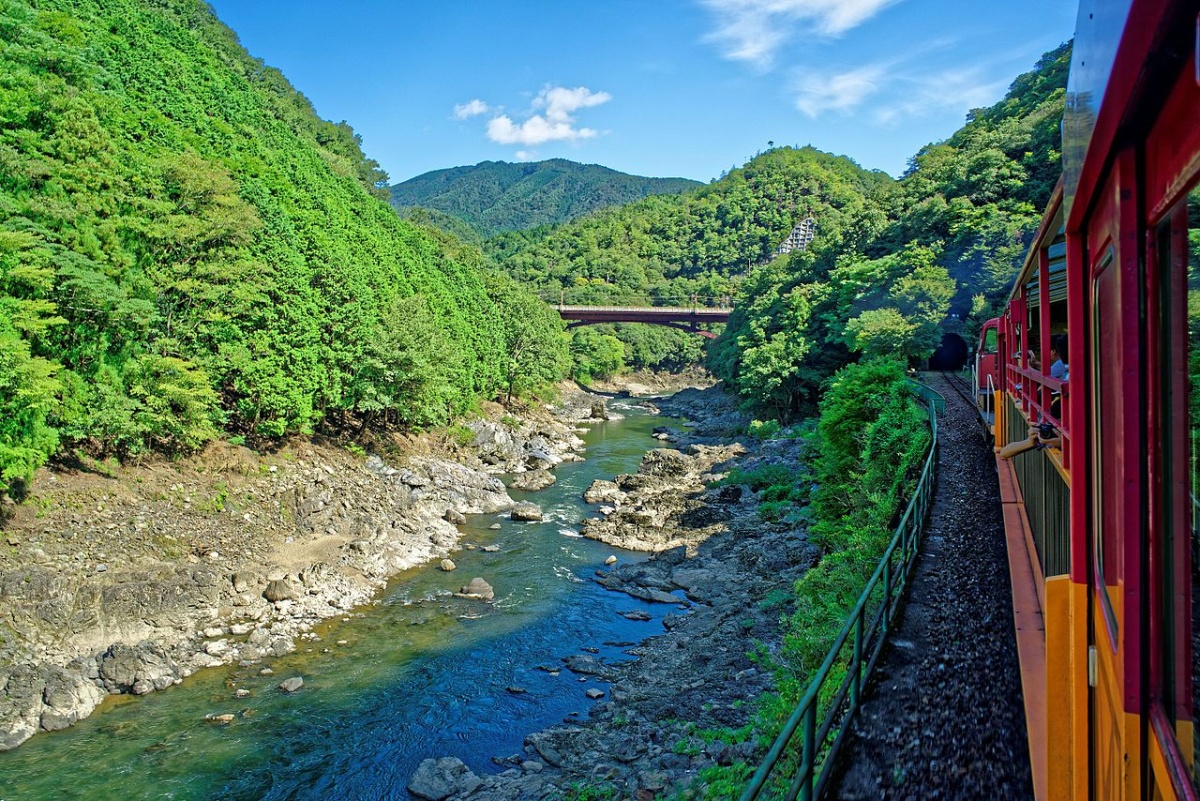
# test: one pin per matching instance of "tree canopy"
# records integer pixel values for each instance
(186, 247)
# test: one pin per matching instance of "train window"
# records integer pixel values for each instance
(1177, 277)
(1106, 546)
(991, 340)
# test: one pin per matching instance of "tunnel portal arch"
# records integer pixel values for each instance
(951, 354)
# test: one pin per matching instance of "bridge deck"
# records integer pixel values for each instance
(643, 314)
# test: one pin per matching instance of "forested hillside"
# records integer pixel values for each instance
(947, 239)
(185, 247)
(496, 196)
(891, 261)
(666, 248)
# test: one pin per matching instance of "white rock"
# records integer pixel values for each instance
(217, 647)
(291, 685)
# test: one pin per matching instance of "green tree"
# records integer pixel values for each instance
(534, 338)
(28, 394)
(596, 355)
(413, 368)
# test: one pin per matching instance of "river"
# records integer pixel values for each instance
(419, 673)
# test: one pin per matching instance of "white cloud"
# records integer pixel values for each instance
(555, 124)
(816, 94)
(753, 30)
(895, 91)
(961, 89)
(472, 108)
(560, 103)
(526, 155)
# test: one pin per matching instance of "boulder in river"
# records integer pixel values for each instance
(664, 462)
(602, 491)
(584, 664)
(437, 779)
(279, 590)
(526, 511)
(291, 685)
(448, 565)
(478, 588)
(533, 480)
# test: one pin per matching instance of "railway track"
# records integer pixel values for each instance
(955, 381)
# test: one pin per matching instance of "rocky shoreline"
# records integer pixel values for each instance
(130, 581)
(721, 566)
(234, 558)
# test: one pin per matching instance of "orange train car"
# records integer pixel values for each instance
(1084, 382)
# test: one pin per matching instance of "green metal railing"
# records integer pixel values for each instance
(932, 398)
(865, 632)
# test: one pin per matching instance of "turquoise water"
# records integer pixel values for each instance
(421, 674)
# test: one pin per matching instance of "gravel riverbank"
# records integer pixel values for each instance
(127, 579)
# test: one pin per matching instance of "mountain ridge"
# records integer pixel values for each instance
(498, 196)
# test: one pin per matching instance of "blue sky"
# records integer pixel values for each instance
(663, 88)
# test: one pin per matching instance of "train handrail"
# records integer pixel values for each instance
(807, 782)
(1027, 386)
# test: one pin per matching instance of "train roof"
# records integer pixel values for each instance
(1051, 228)
(1113, 68)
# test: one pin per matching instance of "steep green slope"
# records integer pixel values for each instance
(185, 246)
(695, 247)
(959, 222)
(496, 196)
(982, 191)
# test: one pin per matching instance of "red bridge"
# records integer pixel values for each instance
(687, 319)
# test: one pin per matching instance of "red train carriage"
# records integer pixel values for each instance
(1100, 516)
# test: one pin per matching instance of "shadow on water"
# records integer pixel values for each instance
(419, 673)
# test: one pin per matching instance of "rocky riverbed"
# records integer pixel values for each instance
(717, 563)
(127, 579)
(139, 579)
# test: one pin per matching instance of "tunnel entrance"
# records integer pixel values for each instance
(950, 355)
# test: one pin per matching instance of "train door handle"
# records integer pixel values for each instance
(1091, 666)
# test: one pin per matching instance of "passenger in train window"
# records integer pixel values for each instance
(1058, 352)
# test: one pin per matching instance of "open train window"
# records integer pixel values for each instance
(1184, 299)
(991, 340)
(1193, 404)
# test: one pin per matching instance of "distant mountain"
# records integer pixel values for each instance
(496, 196)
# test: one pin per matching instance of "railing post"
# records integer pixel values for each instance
(856, 685)
(887, 596)
(809, 758)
